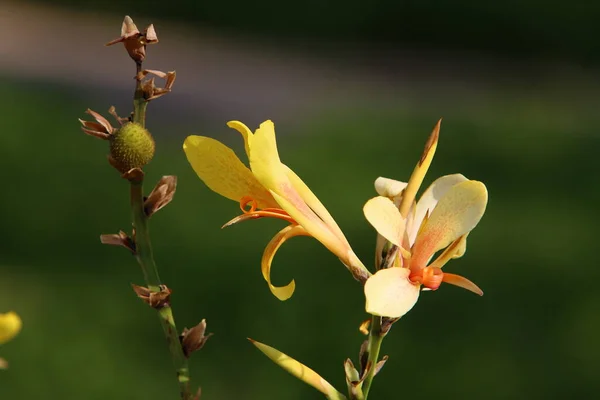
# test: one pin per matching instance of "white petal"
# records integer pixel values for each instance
(389, 293)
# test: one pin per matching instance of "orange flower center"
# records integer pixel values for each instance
(430, 277)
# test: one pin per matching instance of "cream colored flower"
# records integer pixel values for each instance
(441, 220)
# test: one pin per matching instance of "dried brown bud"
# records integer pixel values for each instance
(155, 300)
(118, 239)
(193, 339)
(161, 195)
(380, 364)
(101, 129)
(3, 363)
(135, 41)
(152, 92)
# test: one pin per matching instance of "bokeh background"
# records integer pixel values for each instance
(354, 89)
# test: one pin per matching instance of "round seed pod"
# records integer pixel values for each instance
(131, 146)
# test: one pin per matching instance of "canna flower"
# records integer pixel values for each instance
(10, 325)
(269, 189)
(440, 221)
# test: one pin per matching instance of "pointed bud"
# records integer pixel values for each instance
(131, 146)
(161, 195)
(193, 339)
(299, 370)
(118, 239)
(155, 300)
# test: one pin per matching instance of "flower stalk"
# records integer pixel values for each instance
(145, 257)
(376, 335)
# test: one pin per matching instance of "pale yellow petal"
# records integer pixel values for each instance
(456, 250)
(388, 187)
(430, 198)
(299, 370)
(223, 172)
(245, 131)
(282, 292)
(386, 219)
(389, 293)
(10, 325)
(314, 203)
(456, 214)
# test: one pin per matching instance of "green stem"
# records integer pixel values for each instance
(373, 347)
(145, 258)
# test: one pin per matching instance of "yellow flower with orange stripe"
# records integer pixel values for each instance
(269, 189)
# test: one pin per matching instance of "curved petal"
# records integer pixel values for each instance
(456, 214)
(389, 293)
(10, 325)
(430, 198)
(314, 203)
(456, 249)
(299, 370)
(245, 131)
(385, 218)
(283, 292)
(223, 172)
(462, 282)
(315, 227)
(388, 187)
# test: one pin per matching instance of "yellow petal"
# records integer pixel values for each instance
(455, 250)
(245, 131)
(299, 370)
(302, 214)
(430, 198)
(223, 172)
(283, 292)
(10, 325)
(388, 187)
(420, 170)
(389, 293)
(385, 218)
(264, 158)
(314, 203)
(456, 214)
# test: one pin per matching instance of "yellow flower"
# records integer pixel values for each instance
(441, 220)
(269, 189)
(10, 325)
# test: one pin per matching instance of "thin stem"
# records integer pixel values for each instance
(145, 258)
(376, 336)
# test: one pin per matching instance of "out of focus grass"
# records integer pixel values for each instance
(533, 335)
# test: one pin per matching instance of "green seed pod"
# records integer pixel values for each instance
(131, 146)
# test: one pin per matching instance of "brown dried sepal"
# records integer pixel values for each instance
(161, 195)
(101, 129)
(386, 324)
(150, 90)
(155, 300)
(119, 239)
(135, 41)
(193, 339)
(134, 175)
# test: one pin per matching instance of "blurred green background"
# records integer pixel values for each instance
(519, 114)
